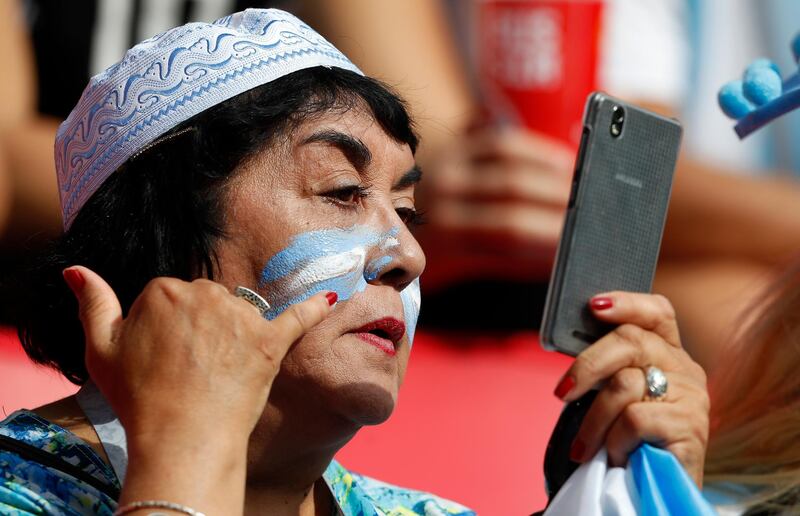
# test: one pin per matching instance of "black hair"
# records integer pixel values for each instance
(160, 214)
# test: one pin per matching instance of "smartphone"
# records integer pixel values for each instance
(615, 217)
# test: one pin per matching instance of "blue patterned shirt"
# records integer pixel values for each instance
(28, 487)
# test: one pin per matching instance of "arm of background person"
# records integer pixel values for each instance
(28, 192)
(726, 235)
(716, 213)
(17, 87)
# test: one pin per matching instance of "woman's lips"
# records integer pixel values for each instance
(384, 334)
(384, 345)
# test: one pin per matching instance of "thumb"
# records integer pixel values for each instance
(99, 308)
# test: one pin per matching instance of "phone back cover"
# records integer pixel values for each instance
(613, 230)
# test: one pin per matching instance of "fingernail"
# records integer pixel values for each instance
(564, 386)
(601, 303)
(332, 297)
(74, 280)
(577, 450)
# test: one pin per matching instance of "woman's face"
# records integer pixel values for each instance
(327, 208)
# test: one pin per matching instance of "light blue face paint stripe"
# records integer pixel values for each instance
(375, 268)
(324, 260)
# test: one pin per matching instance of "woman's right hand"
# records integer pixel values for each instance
(188, 353)
(188, 372)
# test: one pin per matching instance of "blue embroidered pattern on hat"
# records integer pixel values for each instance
(171, 77)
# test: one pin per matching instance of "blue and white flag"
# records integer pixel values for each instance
(653, 483)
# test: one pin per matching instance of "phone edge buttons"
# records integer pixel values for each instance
(579, 161)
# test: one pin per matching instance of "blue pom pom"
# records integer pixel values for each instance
(763, 62)
(733, 102)
(762, 84)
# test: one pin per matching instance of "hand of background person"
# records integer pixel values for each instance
(495, 206)
(188, 372)
(621, 416)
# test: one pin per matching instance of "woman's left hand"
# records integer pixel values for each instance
(622, 416)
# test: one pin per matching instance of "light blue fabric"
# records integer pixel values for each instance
(694, 17)
(728, 494)
(663, 485)
(781, 20)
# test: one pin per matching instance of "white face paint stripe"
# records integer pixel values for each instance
(329, 267)
(390, 243)
(412, 302)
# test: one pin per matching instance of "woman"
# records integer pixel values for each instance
(252, 153)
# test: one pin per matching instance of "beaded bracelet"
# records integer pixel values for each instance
(156, 504)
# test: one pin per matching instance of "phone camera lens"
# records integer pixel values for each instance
(617, 121)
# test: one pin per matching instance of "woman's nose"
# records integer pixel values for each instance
(397, 263)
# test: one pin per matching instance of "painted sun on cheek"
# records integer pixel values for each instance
(322, 260)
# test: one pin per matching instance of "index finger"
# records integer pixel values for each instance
(652, 312)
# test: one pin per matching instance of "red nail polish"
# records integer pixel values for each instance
(564, 386)
(74, 280)
(601, 303)
(332, 297)
(577, 450)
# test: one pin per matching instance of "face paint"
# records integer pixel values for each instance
(375, 268)
(327, 259)
(411, 304)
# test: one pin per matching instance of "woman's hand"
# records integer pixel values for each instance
(188, 372)
(621, 416)
(187, 353)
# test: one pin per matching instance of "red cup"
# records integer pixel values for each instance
(537, 62)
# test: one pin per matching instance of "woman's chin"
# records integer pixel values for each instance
(344, 377)
(367, 403)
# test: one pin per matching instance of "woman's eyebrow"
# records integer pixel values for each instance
(354, 149)
(410, 178)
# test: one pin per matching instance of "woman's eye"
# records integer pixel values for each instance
(348, 195)
(411, 217)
